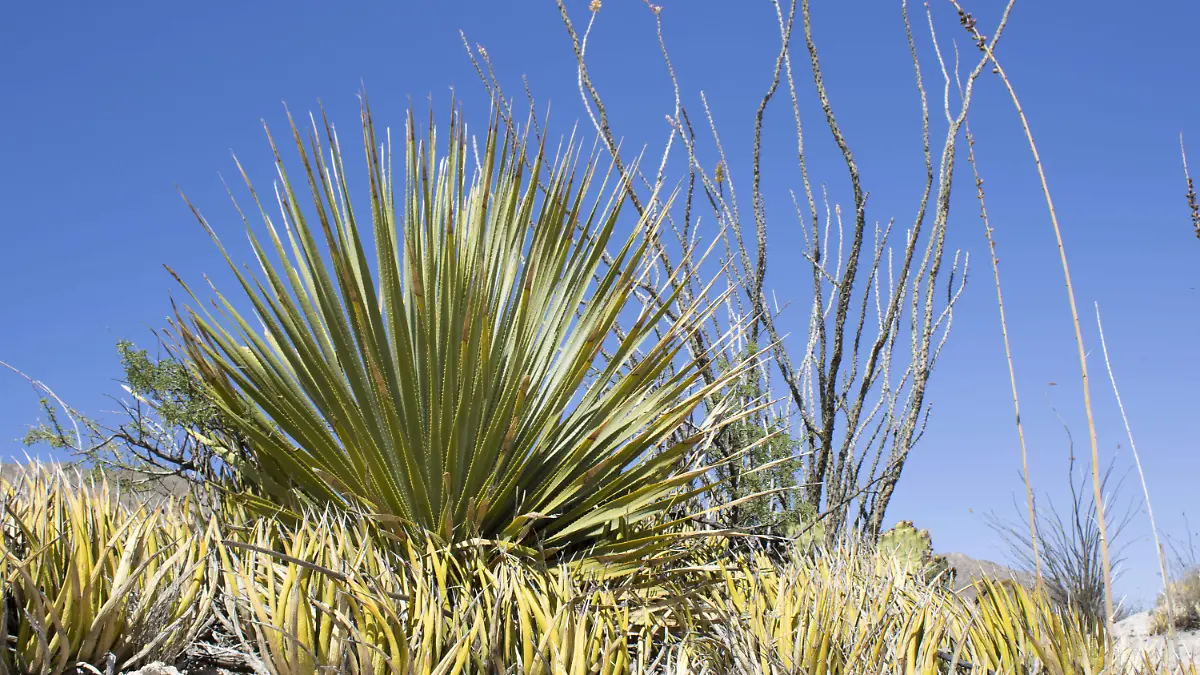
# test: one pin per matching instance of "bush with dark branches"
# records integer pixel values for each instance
(1069, 541)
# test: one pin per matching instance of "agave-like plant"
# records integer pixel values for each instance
(461, 370)
(335, 601)
(85, 578)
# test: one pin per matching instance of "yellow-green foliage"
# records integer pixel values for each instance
(827, 613)
(1015, 625)
(457, 382)
(335, 599)
(843, 612)
(84, 575)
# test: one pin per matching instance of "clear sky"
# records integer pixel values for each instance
(110, 106)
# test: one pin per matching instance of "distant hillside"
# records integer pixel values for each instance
(968, 569)
(134, 488)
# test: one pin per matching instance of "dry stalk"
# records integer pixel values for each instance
(1012, 375)
(969, 23)
(1158, 547)
(1192, 201)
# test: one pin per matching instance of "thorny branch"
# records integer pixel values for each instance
(856, 406)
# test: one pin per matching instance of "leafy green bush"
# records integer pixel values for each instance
(168, 428)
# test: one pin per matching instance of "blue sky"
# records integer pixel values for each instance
(113, 106)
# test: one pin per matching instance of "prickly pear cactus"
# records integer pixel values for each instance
(913, 550)
(906, 543)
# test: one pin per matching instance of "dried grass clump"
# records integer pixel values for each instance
(1183, 598)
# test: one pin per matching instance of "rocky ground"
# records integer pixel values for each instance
(200, 659)
(968, 569)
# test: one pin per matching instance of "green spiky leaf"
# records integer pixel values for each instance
(442, 365)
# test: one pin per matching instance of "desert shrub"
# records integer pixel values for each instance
(756, 482)
(166, 431)
(475, 384)
(1069, 542)
(1183, 594)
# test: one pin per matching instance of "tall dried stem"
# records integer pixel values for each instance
(1158, 547)
(1192, 201)
(969, 23)
(1012, 375)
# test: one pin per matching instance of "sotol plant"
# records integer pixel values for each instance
(469, 380)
